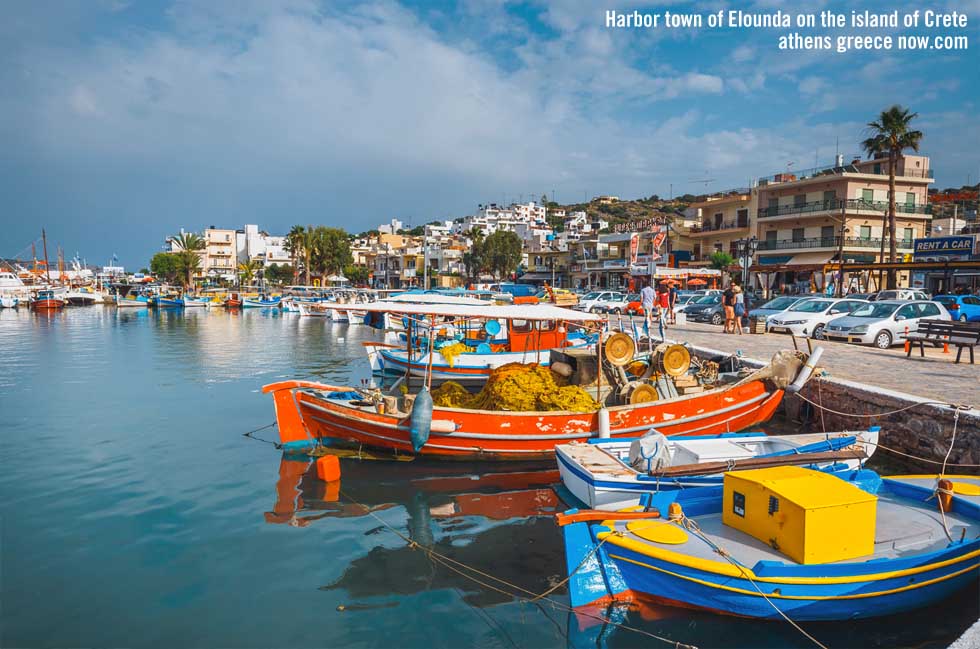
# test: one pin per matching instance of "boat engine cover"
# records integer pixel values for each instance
(651, 452)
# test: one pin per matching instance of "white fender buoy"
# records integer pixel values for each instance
(603, 423)
(805, 371)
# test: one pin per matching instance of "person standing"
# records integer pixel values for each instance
(663, 308)
(673, 303)
(728, 304)
(739, 310)
(648, 298)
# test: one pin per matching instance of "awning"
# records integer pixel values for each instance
(810, 259)
(537, 276)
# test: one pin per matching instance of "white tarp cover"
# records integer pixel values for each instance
(483, 310)
(435, 298)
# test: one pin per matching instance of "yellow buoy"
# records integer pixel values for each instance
(658, 531)
(619, 349)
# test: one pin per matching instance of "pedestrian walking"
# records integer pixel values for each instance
(739, 309)
(648, 300)
(728, 304)
(673, 303)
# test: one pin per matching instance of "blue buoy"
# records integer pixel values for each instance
(420, 424)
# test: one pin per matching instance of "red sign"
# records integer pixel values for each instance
(634, 247)
(658, 240)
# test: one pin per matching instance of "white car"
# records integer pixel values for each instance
(883, 324)
(810, 317)
(596, 300)
(900, 294)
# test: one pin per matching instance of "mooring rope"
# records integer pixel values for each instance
(251, 434)
(451, 564)
(692, 526)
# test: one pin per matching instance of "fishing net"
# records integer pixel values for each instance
(518, 388)
(450, 352)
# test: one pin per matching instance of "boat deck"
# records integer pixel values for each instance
(901, 528)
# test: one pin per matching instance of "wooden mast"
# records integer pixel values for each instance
(47, 269)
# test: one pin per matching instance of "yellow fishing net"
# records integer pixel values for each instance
(518, 388)
(450, 352)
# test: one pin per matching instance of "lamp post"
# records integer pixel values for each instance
(746, 250)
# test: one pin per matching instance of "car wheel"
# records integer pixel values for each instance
(616, 311)
(593, 310)
(716, 319)
(818, 332)
(883, 340)
(962, 318)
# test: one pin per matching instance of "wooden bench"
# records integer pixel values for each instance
(960, 334)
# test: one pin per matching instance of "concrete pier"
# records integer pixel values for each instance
(970, 639)
(860, 380)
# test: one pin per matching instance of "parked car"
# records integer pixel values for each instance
(590, 301)
(707, 308)
(615, 303)
(883, 324)
(777, 305)
(684, 301)
(899, 294)
(810, 317)
(861, 296)
(965, 308)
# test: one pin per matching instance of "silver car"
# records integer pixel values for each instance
(883, 324)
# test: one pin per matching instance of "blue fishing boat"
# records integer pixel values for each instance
(263, 302)
(790, 541)
(169, 302)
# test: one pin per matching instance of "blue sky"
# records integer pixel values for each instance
(123, 122)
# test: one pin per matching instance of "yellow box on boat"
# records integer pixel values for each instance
(810, 516)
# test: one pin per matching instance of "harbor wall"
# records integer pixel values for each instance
(924, 430)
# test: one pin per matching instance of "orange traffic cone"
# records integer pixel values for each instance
(945, 347)
(908, 343)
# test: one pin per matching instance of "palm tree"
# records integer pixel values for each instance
(891, 135)
(247, 270)
(308, 244)
(190, 261)
(294, 246)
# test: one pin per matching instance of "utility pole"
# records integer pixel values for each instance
(425, 258)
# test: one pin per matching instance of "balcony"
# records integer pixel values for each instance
(853, 205)
(828, 242)
(814, 172)
(710, 227)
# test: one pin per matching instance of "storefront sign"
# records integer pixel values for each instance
(643, 224)
(943, 248)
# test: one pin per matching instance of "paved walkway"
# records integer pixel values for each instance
(936, 376)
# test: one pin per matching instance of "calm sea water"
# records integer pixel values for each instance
(135, 513)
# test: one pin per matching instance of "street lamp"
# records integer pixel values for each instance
(746, 249)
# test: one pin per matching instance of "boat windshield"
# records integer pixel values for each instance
(874, 311)
(812, 306)
(780, 303)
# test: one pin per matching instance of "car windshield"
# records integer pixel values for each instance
(709, 299)
(874, 311)
(633, 297)
(779, 303)
(812, 306)
(591, 296)
(684, 299)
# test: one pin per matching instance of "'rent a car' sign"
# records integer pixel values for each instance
(944, 248)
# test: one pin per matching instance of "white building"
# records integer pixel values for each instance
(392, 227)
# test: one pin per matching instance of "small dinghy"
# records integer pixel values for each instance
(263, 302)
(612, 473)
(807, 544)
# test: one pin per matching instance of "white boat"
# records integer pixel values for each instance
(9, 302)
(600, 475)
(197, 302)
(83, 297)
(312, 309)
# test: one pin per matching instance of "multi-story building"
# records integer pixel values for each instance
(804, 218)
(719, 222)
(220, 259)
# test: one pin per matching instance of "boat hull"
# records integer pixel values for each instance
(130, 302)
(307, 416)
(48, 304)
(260, 304)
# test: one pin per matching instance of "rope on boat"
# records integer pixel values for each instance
(692, 526)
(515, 592)
(942, 472)
(251, 434)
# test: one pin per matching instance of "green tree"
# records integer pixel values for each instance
(357, 274)
(294, 246)
(501, 253)
(279, 274)
(721, 260)
(247, 271)
(544, 199)
(189, 245)
(331, 251)
(166, 266)
(890, 135)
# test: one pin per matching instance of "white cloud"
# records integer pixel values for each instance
(743, 53)
(812, 85)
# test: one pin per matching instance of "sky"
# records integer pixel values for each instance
(122, 122)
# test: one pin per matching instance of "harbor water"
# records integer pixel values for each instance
(136, 513)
